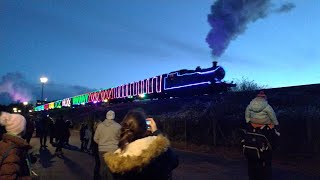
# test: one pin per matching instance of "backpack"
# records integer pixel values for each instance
(255, 146)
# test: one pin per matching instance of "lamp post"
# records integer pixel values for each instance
(25, 106)
(43, 80)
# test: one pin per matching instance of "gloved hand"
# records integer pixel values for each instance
(277, 130)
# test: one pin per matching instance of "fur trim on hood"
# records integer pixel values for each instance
(137, 154)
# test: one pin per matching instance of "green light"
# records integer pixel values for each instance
(57, 104)
(142, 95)
(80, 99)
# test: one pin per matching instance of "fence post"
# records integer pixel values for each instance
(185, 132)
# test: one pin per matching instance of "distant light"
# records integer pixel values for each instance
(43, 79)
(106, 100)
(30, 110)
(15, 109)
(130, 97)
(19, 111)
(95, 102)
(25, 103)
(142, 95)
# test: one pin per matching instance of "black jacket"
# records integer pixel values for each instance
(146, 158)
(61, 129)
(2, 131)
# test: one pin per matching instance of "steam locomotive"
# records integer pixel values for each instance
(177, 83)
(196, 82)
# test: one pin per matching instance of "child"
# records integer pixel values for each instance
(13, 149)
(88, 137)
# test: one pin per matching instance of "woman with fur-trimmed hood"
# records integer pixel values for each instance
(141, 156)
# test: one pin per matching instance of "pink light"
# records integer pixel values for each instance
(97, 96)
(90, 97)
(123, 94)
(142, 87)
(119, 92)
(103, 95)
(159, 89)
(127, 90)
(135, 89)
(151, 85)
(147, 86)
(130, 89)
(158, 85)
(114, 93)
(109, 94)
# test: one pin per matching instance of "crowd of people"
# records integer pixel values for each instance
(133, 149)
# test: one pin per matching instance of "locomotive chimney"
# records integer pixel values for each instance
(214, 64)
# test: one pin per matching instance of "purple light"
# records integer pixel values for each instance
(207, 72)
(95, 102)
(188, 85)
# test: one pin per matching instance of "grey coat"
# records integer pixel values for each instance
(260, 112)
(107, 135)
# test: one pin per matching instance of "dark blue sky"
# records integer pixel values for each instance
(101, 44)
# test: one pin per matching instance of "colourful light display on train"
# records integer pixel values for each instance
(158, 85)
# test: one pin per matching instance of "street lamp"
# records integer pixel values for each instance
(25, 106)
(43, 80)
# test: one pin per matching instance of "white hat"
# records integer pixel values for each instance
(110, 115)
(14, 123)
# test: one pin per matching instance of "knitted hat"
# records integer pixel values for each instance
(262, 95)
(14, 123)
(110, 115)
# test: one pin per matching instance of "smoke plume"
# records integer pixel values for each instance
(285, 8)
(229, 18)
(14, 87)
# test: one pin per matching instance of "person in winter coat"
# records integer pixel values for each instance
(44, 128)
(95, 152)
(69, 125)
(52, 131)
(262, 119)
(29, 129)
(61, 134)
(141, 156)
(13, 149)
(82, 134)
(88, 137)
(107, 138)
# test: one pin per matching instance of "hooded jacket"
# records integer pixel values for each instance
(260, 112)
(146, 158)
(14, 166)
(107, 135)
